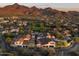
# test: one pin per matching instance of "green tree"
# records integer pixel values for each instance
(8, 40)
(59, 35)
(21, 30)
(76, 39)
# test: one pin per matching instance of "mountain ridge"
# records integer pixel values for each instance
(16, 9)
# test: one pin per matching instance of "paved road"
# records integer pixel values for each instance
(66, 51)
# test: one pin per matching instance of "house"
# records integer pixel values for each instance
(5, 31)
(39, 45)
(49, 44)
(14, 30)
(66, 32)
(22, 41)
(49, 36)
(1, 18)
(6, 21)
(14, 17)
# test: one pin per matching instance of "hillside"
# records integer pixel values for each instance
(33, 12)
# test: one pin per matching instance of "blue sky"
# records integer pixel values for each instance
(59, 6)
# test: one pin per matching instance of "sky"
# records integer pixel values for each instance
(59, 6)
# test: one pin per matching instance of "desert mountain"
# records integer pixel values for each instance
(14, 9)
(17, 9)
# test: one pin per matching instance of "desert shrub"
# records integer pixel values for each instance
(51, 51)
(59, 35)
(43, 52)
(76, 39)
